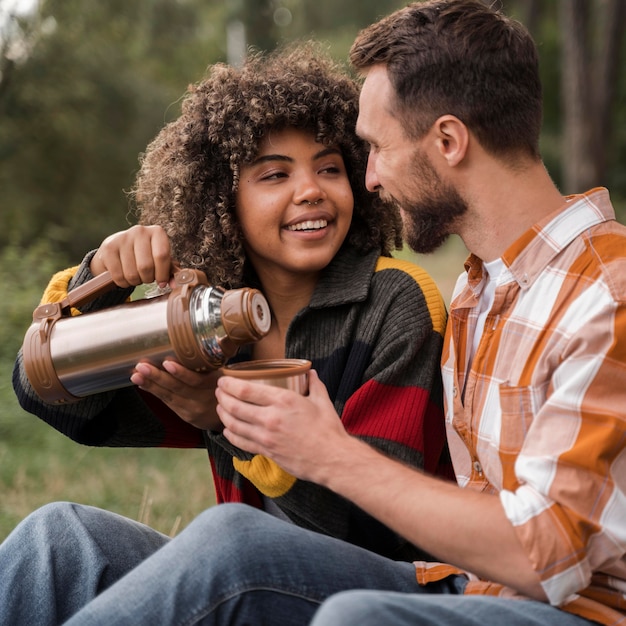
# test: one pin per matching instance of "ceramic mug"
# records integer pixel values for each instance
(285, 373)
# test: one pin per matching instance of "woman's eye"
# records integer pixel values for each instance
(273, 175)
(333, 168)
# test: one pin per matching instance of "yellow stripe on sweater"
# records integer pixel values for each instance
(56, 290)
(270, 479)
(434, 299)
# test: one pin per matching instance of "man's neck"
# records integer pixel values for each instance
(504, 204)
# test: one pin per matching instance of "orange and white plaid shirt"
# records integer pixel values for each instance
(540, 417)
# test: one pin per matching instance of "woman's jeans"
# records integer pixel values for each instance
(232, 565)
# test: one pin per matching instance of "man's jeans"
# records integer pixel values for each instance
(232, 565)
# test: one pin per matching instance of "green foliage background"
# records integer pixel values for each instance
(83, 88)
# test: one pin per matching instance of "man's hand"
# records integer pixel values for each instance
(301, 433)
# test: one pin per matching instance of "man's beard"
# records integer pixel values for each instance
(429, 221)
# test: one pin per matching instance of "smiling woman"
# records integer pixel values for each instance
(295, 208)
(261, 183)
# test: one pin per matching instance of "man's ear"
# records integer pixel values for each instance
(452, 138)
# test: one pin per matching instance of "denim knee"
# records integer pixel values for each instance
(47, 520)
(345, 607)
(225, 518)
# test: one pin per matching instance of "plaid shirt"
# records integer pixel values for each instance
(540, 418)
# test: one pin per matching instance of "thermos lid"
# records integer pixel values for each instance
(245, 315)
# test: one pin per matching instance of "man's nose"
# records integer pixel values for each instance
(371, 177)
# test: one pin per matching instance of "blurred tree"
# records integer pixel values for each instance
(593, 32)
(17, 38)
(84, 86)
(84, 102)
(258, 18)
(582, 45)
(270, 22)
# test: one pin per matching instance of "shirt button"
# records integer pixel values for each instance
(477, 467)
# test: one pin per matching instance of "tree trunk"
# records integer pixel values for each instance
(591, 35)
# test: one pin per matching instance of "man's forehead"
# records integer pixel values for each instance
(376, 83)
(374, 100)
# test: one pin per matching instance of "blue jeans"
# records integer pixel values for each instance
(374, 608)
(232, 565)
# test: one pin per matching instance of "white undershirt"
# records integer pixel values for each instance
(493, 269)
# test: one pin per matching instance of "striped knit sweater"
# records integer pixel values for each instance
(373, 331)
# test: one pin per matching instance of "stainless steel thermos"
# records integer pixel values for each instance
(68, 357)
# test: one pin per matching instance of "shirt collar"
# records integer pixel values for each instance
(346, 279)
(527, 257)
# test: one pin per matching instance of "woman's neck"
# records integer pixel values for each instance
(285, 297)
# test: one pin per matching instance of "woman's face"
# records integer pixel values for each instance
(294, 204)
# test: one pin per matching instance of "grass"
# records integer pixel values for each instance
(163, 488)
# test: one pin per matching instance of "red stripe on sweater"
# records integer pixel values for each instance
(404, 415)
(227, 491)
(178, 433)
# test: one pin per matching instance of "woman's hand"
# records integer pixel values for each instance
(137, 256)
(191, 395)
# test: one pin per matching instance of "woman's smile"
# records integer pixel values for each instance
(309, 225)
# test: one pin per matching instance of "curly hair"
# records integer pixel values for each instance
(189, 174)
